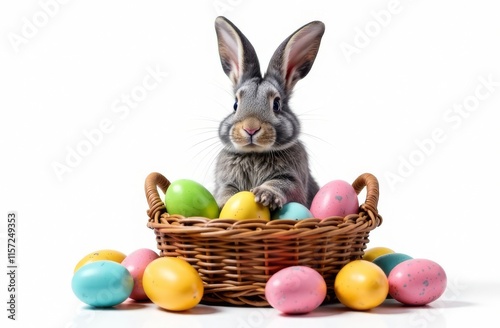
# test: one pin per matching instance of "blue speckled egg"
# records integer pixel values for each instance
(102, 283)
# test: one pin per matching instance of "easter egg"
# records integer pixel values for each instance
(374, 252)
(102, 283)
(388, 261)
(336, 198)
(100, 255)
(136, 262)
(295, 290)
(417, 282)
(189, 198)
(292, 211)
(361, 285)
(242, 206)
(172, 284)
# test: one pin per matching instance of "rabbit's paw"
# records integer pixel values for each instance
(269, 197)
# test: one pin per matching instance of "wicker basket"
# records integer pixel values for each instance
(236, 258)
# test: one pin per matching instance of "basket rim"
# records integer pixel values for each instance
(366, 219)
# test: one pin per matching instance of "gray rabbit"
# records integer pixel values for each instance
(262, 152)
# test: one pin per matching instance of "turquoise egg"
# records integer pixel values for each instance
(292, 211)
(102, 283)
(388, 261)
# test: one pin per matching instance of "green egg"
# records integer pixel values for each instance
(189, 198)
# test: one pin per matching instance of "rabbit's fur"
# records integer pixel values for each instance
(262, 152)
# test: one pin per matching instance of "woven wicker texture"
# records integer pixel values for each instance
(236, 258)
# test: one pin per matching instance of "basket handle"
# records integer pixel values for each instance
(369, 181)
(156, 205)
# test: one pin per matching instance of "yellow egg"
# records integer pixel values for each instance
(361, 285)
(372, 253)
(242, 206)
(172, 284)
(100, 255)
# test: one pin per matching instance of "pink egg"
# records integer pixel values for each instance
(417, 282)
(136, 262)
(296, 290)
(336, 198)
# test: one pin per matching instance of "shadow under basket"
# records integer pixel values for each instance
(235, 259)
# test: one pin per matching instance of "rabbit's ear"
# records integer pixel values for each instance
(295, 56)
(237, 55)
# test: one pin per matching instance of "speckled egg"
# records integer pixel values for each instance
(296, 290)
(100, 255)
(417, 282)
(190, 198)
(292, 211)
(102, 283)
(136, 262)
(336, 198)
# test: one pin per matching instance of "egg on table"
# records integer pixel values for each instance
(374, 252)
(361, 285)
(388, 261)
(296, 290)
(102, 283)
(136, 262)
(417, 282)
(103, 254)
(173, 284)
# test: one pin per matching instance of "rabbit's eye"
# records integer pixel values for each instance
(235, 106)
(277, 104)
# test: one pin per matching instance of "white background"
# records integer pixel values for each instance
(65, 67)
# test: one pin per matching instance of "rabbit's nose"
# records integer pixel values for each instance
(251, 131)
(251, 126)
